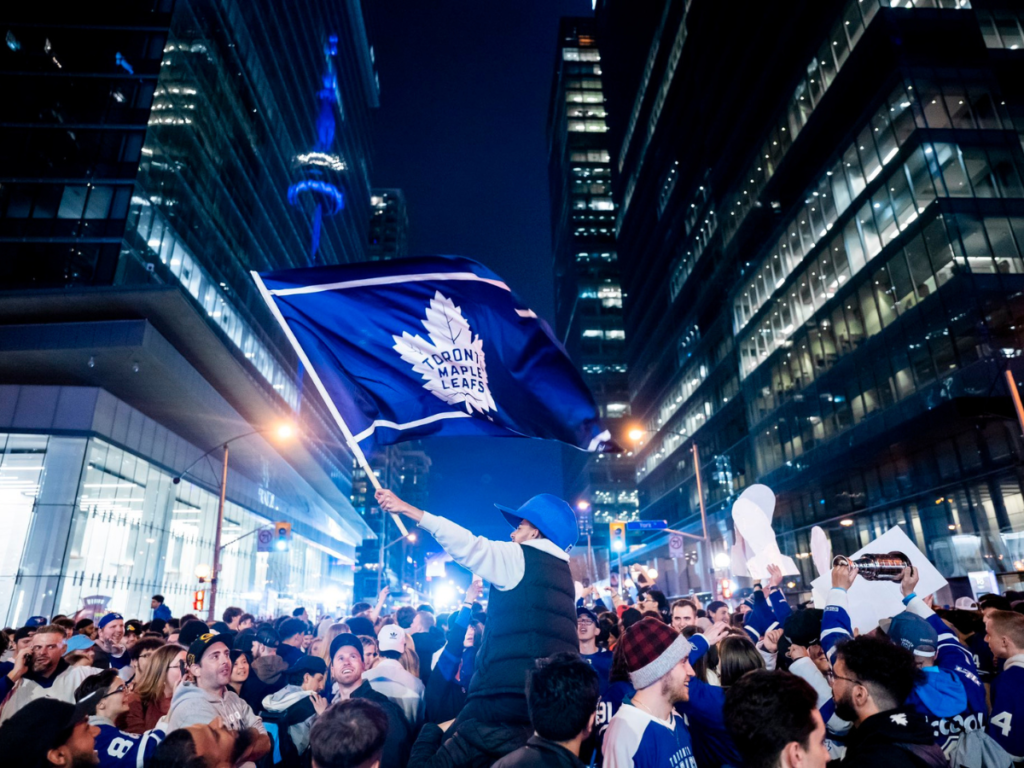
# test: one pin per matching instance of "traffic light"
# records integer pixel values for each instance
(726, 588)
(282, 536)
(198, 599)
(617, 536)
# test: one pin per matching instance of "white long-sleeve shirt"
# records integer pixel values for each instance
(499, 562)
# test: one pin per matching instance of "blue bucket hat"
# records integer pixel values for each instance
(550, 515)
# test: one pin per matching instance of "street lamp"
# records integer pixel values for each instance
(636, 434)
(283, 431)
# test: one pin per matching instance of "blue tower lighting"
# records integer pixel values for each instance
(320, 168)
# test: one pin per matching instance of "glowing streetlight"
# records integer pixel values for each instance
(582, 505)
(636, 434)
(846, 523)
(203, 572)
(285, 431)
(722, 560)
(411, 537)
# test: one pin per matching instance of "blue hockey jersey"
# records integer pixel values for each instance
(118, 749)
(637, 739)
(1006, 725)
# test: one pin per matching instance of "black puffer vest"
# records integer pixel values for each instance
(535, 619)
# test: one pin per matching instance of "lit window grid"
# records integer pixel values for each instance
(821, 72)
(876, 145)
(1001, 28)
(811, 394)
(165, 244)
(932, 170)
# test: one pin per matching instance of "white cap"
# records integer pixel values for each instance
(966, 604)
(391, 638)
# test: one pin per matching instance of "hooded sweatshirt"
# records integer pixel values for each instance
(191, 705)
(300, 715)
(898, 738)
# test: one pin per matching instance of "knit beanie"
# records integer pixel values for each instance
(651, 649)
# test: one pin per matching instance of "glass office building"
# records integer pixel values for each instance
(151, 154)
(588, 291)
(838, 274)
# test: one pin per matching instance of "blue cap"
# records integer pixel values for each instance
(550, 515)
(37, 621)
(78, 643)
(910, 631)
(109, 617)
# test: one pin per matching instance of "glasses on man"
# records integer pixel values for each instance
(831, 676)
(119, 689)
(584, 623)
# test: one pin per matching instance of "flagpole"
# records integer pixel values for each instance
(357, 451)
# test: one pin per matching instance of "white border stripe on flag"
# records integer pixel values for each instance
(389, 280)
(410, 424)
(351, 441)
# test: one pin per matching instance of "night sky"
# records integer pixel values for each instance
(461, 128)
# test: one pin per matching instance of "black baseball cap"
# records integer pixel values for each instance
(200, 645)
(268, 636)
(40, 726)
(191, 631)
(310, 665)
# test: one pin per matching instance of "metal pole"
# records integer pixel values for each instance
(700, 492)
(700, 498)
(216, 540)
(1011, 383)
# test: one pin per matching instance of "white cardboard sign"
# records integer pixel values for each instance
(872, 601)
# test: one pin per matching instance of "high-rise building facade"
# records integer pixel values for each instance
(389, 225)
(821, 227)
(588, 292)
(151, 154)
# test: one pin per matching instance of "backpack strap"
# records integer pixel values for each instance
(927, 755)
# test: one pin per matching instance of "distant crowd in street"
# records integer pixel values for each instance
(542, 677)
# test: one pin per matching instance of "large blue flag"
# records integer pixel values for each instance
(437, 345)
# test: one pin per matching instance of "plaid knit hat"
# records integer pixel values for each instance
(652, 648)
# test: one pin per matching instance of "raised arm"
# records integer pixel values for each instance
(499, 562)
(835, 620)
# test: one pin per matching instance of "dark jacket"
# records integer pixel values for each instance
(533, 620)
(540, 753)
(396, 746)
(473, 745)
(445, 695)
(427, 644)
(898, 738)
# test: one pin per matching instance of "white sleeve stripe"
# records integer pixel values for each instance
(834, 631)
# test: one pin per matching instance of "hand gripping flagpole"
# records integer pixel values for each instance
(349, 439)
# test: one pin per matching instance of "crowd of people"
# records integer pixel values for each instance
(542, 677)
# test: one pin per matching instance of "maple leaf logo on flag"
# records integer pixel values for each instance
(452, 361)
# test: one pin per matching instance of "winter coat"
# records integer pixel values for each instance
(898, 738)
(474, 745)
(540, 753)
